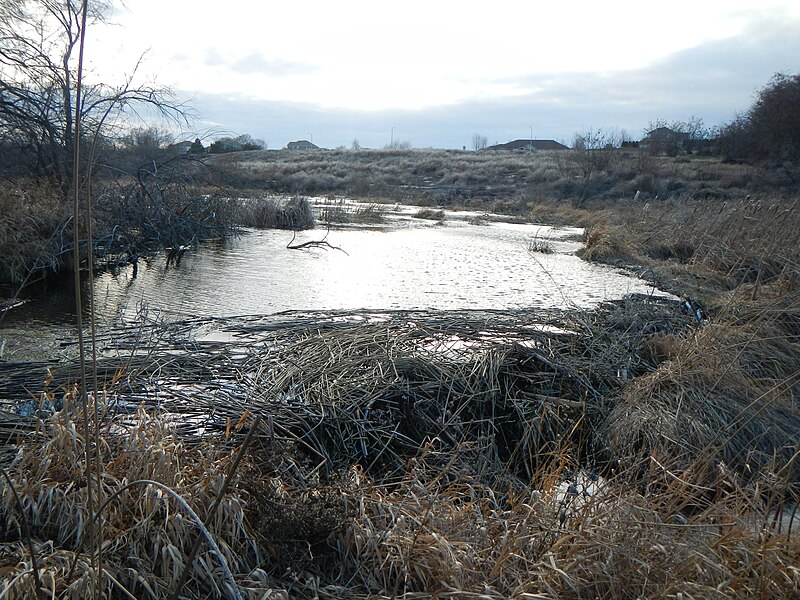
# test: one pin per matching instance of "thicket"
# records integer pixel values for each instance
(770, 129)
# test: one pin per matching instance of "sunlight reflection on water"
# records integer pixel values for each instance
(454, 266)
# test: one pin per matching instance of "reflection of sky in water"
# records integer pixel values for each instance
(451, 267)
(412, 265)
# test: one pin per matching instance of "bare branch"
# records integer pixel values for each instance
(323, 243)
(37, 89)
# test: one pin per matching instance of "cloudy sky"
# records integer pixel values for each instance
(433, 72)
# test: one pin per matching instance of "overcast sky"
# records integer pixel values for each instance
(433, 72)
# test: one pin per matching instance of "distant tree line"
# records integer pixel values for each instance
(237, 144)
(769, 131)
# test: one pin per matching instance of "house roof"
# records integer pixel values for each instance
(528, 144)
(304, 143)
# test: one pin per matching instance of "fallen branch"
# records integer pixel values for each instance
(323, 243)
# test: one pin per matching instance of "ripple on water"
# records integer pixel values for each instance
(450, 267)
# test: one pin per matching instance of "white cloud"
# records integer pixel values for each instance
(574, 58)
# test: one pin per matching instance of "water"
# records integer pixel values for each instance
(410, 263)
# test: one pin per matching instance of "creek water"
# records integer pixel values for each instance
(406, 263)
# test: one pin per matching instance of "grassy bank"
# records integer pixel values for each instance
(505, 182)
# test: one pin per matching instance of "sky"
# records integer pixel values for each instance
(434, 72)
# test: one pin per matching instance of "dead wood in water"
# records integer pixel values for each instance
(323, 243)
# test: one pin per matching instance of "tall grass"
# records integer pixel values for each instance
(274, 213)
(342, 212)
(707, 246)
(146, 536)
(35, 231)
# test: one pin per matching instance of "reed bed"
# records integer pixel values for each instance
(708, 246)
(145, 535)
(34, 231)
(486, 454)
(274, 213)
(722, 403)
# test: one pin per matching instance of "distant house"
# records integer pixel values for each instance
(664, 140)
(301, 145)
(529, 145)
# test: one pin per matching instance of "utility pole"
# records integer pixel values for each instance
(391, 138)
(531, 147)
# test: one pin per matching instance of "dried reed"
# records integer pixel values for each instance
(479, 454)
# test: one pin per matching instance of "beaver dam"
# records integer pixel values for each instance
(627, 451)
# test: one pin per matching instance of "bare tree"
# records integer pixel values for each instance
(38, 63)
(593, 151)
(137, 147)
(479, 141)
(671, 138)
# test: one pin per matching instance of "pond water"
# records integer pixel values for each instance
(406, 263)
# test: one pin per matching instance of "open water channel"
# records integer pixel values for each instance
(461, 262)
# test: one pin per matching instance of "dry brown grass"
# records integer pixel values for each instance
(439, 532)
(35, 231)
(425, 539)
(146, 536)
(501, 182)
(562, 213)
(438, 455)
(274, 213)
(703, 248)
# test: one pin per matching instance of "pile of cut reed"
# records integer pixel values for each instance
(625, 452)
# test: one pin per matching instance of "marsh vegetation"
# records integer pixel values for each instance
(646, 447)
(632, 450)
